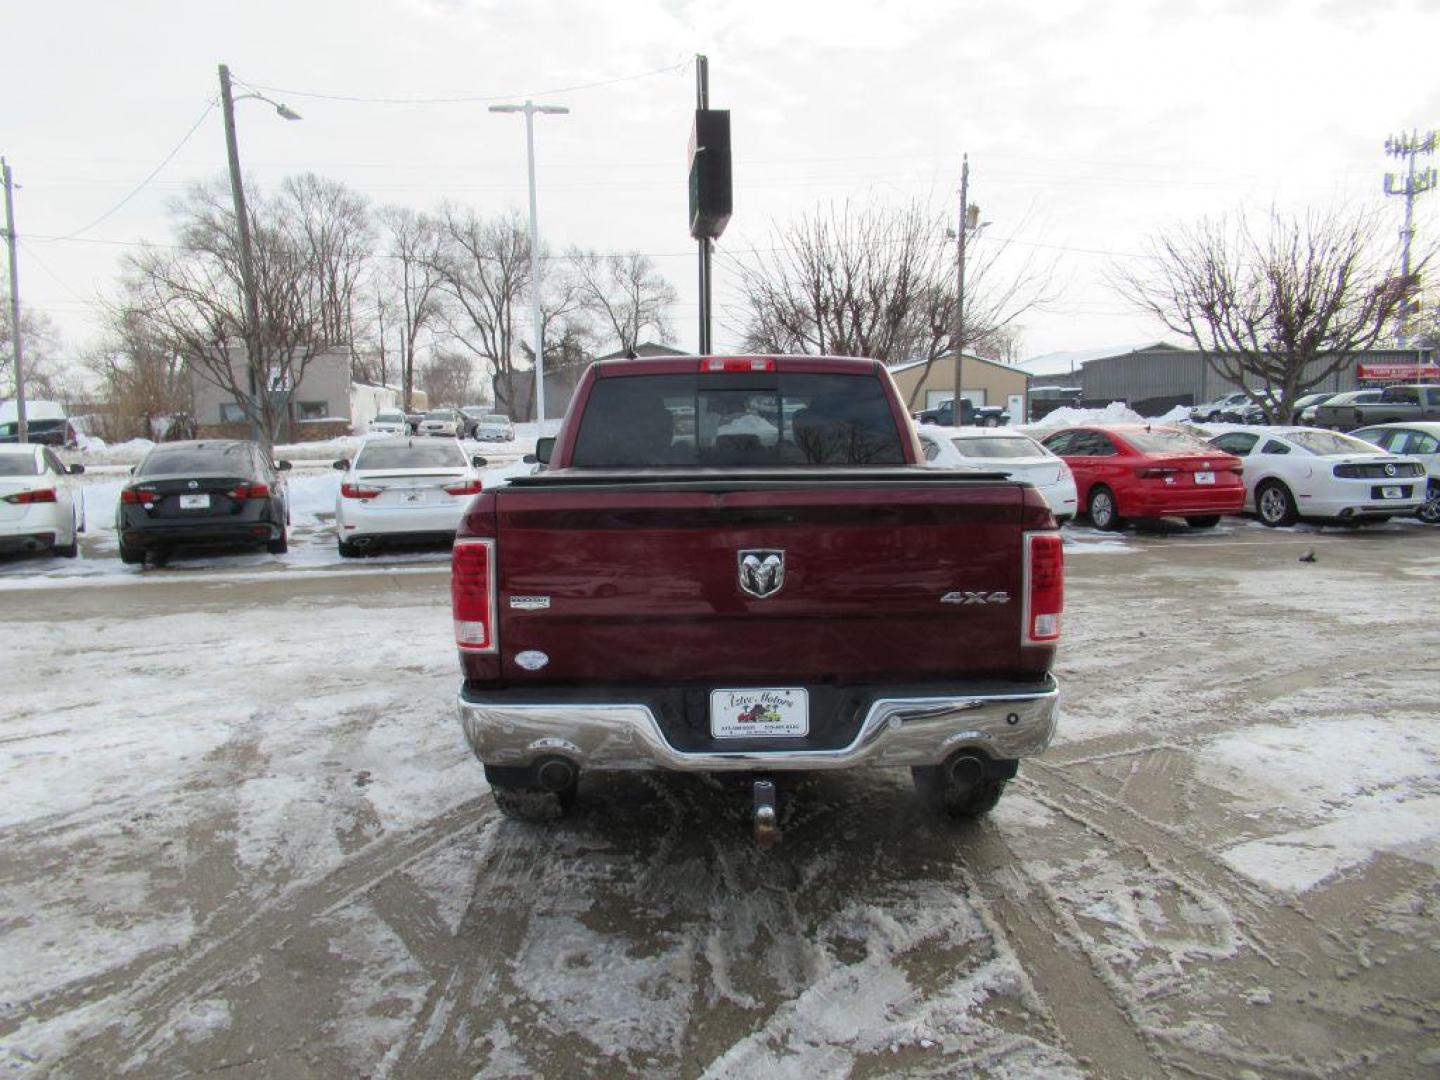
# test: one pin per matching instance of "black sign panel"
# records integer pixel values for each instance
(710, 195)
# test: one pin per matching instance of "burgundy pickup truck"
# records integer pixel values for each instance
(742, 565)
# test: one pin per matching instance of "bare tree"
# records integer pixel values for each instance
(40, 347)
(142, 378)
(191, 296)
(880, 282)
(484, 270)
(625, 294)
(336, 226)
(408, 281)
(1285, 304)
(448, 378)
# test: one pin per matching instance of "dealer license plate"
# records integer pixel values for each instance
(1392, 493)
(1204, 478)
(749, 714)
(194, 502)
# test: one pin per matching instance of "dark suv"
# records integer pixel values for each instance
(209, 492)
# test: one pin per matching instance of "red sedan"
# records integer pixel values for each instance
(1139, 471)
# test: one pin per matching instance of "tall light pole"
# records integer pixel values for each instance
(969, 216)
(530, 109)
(242, 224)
(22, 428)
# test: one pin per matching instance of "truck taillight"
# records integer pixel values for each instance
(737, 363)
(472, 594)
(1044, 588)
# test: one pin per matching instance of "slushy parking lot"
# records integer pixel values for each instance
(242, 831)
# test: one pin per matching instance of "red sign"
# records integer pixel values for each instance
(1398, 372)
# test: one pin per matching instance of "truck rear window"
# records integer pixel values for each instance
(737, 420)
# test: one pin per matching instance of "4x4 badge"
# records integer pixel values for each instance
(762, 571)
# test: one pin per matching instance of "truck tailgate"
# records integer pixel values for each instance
(884, 579)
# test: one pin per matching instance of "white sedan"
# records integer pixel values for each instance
(403, 489)
(1420, 439)
(985, 450)
(38, 504)
(1295, 472)
(389, 422)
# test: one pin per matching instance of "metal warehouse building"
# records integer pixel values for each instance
(1153, 378)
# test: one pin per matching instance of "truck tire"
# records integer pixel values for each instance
(518, 796)
(943, 797)
(1101, 507)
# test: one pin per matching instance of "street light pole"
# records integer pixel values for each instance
(962, 226)
(22, 427)
(242, 225)
(530, 109)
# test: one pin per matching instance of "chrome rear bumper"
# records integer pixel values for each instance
(895, 732)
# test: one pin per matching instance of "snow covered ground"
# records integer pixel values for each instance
(239, 829)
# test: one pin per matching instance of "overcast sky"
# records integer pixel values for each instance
(1089, 125)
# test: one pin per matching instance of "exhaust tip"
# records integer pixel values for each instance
(965, 770)
(555, 774)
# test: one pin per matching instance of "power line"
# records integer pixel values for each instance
(209, 106)
(473, 99)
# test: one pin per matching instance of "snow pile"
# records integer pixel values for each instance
(1117, 412)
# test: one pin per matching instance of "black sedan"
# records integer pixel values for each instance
(211, 492)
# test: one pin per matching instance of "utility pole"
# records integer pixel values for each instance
(1409, 146)
(530, 109)
(962, 226)
(247, 266)
(23, 432)
(702, 102)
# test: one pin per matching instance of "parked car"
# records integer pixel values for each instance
(1306, 404)
(403, 489)
(970, 414)
(389, 422)
(1294, 472)
(1144, 471)
(1420, 440)
(494, 427)
(1253, 412)
(45, 423)
(1011, 452)
(207, 492)
(1212, 412)
(746, 564)
(1336, 413)
(39, 504)
(1395, 405)
(449, 423)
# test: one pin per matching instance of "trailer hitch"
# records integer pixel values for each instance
(767, 820)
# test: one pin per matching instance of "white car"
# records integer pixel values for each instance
(39, 505)
(447, 422)
(986, 450)
(403, 489)
(389, 422)
(1420, 439)
(1295, 472)
(494, 427)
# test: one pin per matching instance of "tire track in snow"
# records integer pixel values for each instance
(147, 1009)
